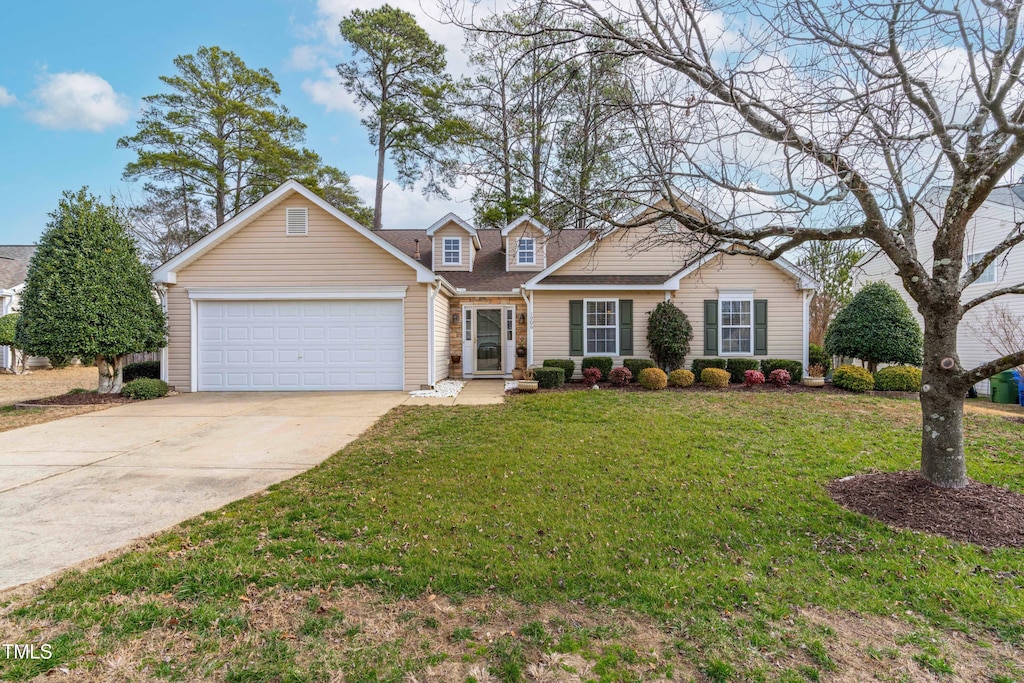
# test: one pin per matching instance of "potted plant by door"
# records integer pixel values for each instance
(815, 376)
(528, 384)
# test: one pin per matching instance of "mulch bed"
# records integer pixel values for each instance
(981, 513)
(84, 399)
(633, 386)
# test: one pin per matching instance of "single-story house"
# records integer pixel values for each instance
(14, 261)
(292, 294)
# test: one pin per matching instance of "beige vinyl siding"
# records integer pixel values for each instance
(259, 254)
(512, 248)
(452, 230)
(442, 325)
(785, 301)
(551, 322)
(630, 251)
(785, 309)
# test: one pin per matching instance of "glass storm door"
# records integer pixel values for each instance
(488, 340)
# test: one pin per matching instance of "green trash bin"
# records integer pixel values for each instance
(1004, 388)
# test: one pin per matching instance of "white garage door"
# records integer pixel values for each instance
(300, 345)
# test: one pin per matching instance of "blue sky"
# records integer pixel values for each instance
(72, 77)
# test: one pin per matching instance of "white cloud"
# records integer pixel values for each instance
(7, 99)
(79, 101)
(327, 92)
(306, 58)
(409, 209)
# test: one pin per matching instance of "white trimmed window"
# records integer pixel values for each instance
(736, 325)
(601, 327)
(527, 251)
(987, 276)
(452, 247)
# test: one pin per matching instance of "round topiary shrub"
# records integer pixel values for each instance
(591, 376)
(653, 378)
(620, 377)
(681, 378)
(549, 377)
(876, 327)
(853, 378)
(714, 377)
(898, 378)
(144, 389)
(668, 335)
(753, 377)
(780, 377)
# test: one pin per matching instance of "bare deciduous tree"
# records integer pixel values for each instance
(803, 120)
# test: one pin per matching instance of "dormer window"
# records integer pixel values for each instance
(527, 252)
(452, 247)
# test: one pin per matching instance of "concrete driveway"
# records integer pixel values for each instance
(75, 488)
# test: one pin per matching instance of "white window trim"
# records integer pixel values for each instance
(992, 270)
(587, 353)
(735, 296)
(533, 251)
(444, 251)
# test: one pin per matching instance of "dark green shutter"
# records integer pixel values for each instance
(576, 328)
(760, 327)
(710, 327)
(625, 327)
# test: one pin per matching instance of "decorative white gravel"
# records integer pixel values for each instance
(446, 388)
(511, 384)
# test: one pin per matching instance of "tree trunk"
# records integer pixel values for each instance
(378, 195)
(110, 370)
(942, 405)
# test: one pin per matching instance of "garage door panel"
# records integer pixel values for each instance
(300, 345)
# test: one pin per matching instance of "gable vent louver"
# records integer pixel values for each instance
(296, 221)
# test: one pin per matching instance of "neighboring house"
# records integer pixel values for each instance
(998, 216)
(14, 261)
(291, 294)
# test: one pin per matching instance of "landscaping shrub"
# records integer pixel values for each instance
(699, 364)
(653, 378)
(638, 365)
(795, 368)
(668, 336)
(853, 378)
(620, 377)
(7, 325)
(738, 367)
(591, 376)
(149, 369)
(816, 355)
(780, 377)
(681, 378)
(602, 363)
(144, 389)
(752, 377)
(898, 378)
(876, 327)
(567, 364)
(549, 377)
(59, 361)
(714, 377)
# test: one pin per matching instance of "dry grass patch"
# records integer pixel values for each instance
(14, 418)
(43, 383)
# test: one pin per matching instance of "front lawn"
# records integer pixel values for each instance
(582, 535)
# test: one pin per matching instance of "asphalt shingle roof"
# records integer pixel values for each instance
(14, 264)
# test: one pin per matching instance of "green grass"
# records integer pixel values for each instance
(704, 511)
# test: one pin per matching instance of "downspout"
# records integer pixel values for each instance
(528, 298)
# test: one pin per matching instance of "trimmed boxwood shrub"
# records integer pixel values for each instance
(149, 369)
(795, 368)
(681, 378)
(853, 378)
(591, 376)
(653, 378)
(549, 377)
(898, 378)
(638, 365)
(738, 366)
(699, 364)
(567, 364)
(602, 363)
(620, 377)
(144, 388)
(816, 355)
(714, 377)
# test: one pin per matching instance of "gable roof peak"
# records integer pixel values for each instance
(524, 219)
(452, 217)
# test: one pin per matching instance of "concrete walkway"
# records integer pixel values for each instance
(82, 486)
(477, 392)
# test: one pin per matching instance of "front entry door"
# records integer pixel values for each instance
(488, 340)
